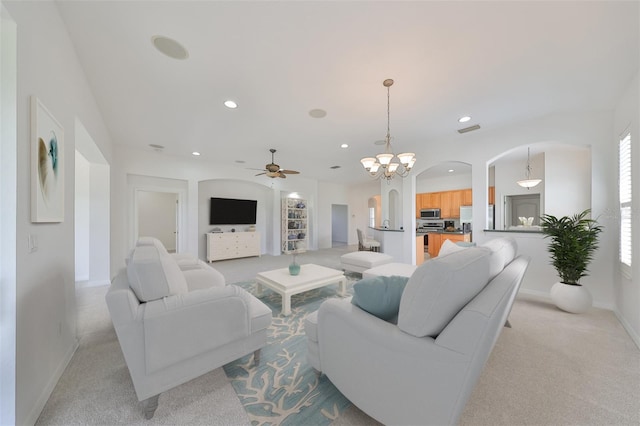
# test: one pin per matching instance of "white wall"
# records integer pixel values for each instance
(45, 295)
(445, 183)
(358, 196)
(627, 290)
(8, 185)
(568, 177)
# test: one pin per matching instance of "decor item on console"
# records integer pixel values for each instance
(382, 166)
(528, 182)
(573, 242)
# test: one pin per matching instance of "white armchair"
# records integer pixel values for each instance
(173, 329)
(366, 243)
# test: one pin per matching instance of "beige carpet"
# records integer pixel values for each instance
(551, 368)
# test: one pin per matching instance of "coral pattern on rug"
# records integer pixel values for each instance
(284, 389)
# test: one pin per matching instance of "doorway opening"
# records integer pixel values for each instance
(91, 211)
(158, 217)
(339, 225)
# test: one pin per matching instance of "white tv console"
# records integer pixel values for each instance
(231, 245)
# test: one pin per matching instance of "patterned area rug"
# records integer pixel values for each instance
(284, 389)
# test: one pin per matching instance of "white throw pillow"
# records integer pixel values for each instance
(153, 275)
(503, 251)
(440, 288)
(449, 247)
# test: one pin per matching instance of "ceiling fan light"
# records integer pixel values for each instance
(529, 183)
(384, 159)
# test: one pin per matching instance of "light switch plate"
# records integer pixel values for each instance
(33, 243)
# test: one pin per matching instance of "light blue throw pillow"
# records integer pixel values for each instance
(380, 296)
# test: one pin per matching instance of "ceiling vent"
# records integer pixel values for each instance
(469, 129)
(334, 167)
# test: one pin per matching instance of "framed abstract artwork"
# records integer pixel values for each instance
(47, 165)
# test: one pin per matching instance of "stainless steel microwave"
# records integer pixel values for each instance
(430, 214)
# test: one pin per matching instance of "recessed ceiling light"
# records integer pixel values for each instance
(318, 113)
(380, 142)
(240, 161)
(464, 119)
(344, 145)
(450, 170)
(156, 146)
(196, 153)
(230, 104)
(335, 167)
(169, 47)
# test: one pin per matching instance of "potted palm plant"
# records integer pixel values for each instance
(574, 240)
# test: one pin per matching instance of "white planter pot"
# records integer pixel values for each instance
(571, 298)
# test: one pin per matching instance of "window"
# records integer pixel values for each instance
(372, 217)
(624, 184)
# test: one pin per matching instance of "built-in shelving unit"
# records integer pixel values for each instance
(295, 224)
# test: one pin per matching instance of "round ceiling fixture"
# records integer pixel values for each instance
(230, 104)
(318, 113)
(169, 47)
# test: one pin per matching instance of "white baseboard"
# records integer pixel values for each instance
(630, 331)
(625, 324)
(544, 295)
(96, 283)
(33, 415)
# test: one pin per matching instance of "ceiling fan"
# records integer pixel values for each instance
(273, 170)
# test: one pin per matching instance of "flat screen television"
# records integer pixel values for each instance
(230, 211)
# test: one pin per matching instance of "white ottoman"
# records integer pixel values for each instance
(360, 261)
(389, 269)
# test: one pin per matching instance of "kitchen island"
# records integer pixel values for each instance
(437, 238)
(390, 242)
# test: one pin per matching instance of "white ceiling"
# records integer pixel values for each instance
(500, 62)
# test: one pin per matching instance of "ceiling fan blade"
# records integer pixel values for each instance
(282, 175)
(291, 172)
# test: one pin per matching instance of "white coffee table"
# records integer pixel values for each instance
(311, 276)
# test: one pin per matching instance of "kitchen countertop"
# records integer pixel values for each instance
(387, 229)
(441, 232)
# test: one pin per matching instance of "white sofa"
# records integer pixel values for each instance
(422, 367)
(174, 325)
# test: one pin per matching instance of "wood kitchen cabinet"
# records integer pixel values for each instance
(467, 197)
(450, 202)
(492, 195)
(431, 200)
(436, 240)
